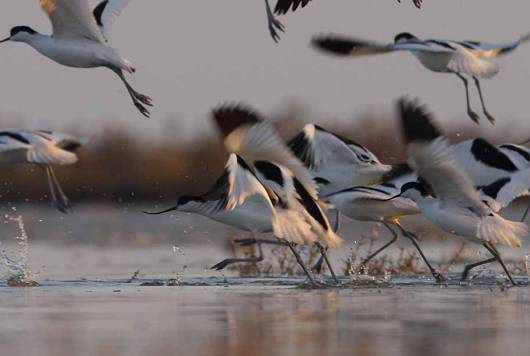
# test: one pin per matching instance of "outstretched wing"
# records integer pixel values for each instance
(489, 50)
(283, 6)
(348, 46)
(502, 192)
(431, 156)
(72, 19)
(247, 134)
(107, 12)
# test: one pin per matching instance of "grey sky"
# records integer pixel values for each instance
(192, 55)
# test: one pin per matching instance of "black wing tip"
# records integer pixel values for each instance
(283, 6)
(335, 44)
(416, 122)
(231, 116)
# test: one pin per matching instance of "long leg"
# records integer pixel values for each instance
(301, 263)
(367, 259)
(228, 261)
(412, 237)
(497, 256)
(51, 186)
(139, 100)
(469, 267)
(525, 213)
(490, 118)
(252, 241)
(273, 23)
(318, 265)
(324, 255)
(473, 115)
(63, 199)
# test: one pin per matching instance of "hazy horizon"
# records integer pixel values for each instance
(192, 55)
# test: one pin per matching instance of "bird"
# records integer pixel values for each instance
(462, 58)
(239, 199)
(80, 38)
(336, 162)
(374, 204)
(45, 149)
(246, 133)
(456, 206)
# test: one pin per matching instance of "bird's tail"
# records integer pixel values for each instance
(290, 226)
(498, 230)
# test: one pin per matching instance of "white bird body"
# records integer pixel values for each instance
(467, 224)
(254, 215)
(78, 53)
(79, 39)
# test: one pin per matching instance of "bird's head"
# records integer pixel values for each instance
(20, 34)
(413, 191)
(404, 37)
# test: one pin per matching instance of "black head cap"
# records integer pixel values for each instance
(414, 185)
(404, 37)
(18, 29)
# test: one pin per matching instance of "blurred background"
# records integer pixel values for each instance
(192, 56)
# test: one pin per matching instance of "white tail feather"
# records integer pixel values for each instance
(288, 225)
(498, 230)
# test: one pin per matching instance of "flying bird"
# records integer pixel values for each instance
(79, 39)
(461, 58)
(456, 206)
(45, 149)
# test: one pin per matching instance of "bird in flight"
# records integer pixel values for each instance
(462, 58)
(80, 38)
(45, 149)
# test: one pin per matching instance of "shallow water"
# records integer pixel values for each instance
(87, 304)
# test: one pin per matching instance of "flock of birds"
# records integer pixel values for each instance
(298, 190)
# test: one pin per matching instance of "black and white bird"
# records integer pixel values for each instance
(45, 149)
(246, 133)
(462, 58)
(79, 39)
(240, 199)
(456, 206)
(375, 204)
(334, 161)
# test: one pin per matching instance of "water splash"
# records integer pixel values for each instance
(18, 273)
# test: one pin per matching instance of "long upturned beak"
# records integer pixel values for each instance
(7, 39)
(394, 197)
(160, 212)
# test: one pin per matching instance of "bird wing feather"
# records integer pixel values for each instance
(72, 19)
